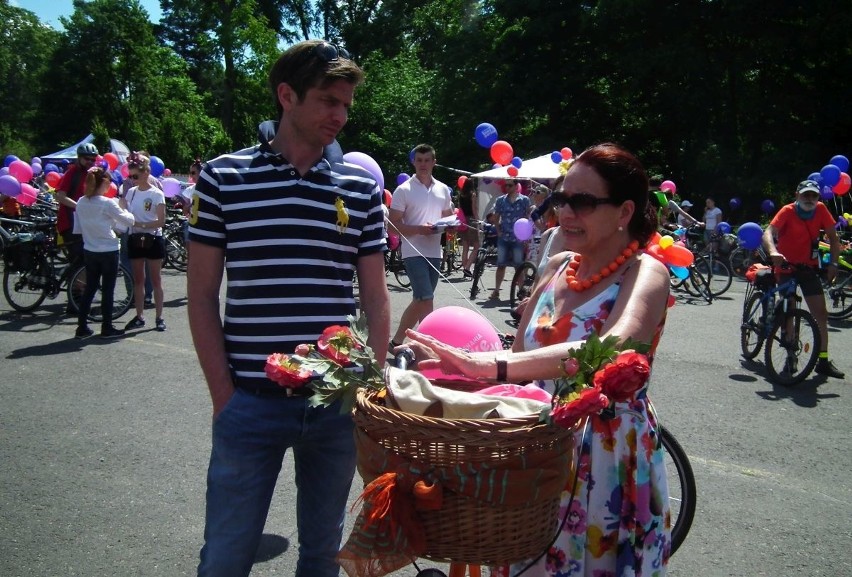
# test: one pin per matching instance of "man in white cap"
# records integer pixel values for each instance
(793, 237)
(684, 219)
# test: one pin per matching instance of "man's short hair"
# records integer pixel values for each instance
(311, 64)
(425, 149)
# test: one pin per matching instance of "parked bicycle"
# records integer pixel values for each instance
(772, 314)
(33, 270)
(839, 293)
(525, 275)
(394, 264)
(708, 260)
(487, 251)
(173, 238)
(450, 253)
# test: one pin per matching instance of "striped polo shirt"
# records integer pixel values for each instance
(291, 246)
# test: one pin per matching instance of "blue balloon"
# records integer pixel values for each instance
(723, 227)
(840, 162)
(556, 157)
(157, 166)
(830, 174)
(50, 167)
(826, 194)
(750, 235)
(735, 203)
(10, 159)
(401, 177)
(411, 156)
(680, 272)
(485, 135)
(767, 206)
(517, 162)
(814, 176)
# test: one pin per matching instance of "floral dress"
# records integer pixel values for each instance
(619, 522)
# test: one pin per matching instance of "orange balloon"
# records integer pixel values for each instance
(655, 251)
(678, 256)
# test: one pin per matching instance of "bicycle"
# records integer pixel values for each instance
(742, 258)
(173, 239)
(525, 275)
(395, 265)
(839, 294)
(486, 252)
(33, 272)
(791, 333)
(710, 264)
(450, 253)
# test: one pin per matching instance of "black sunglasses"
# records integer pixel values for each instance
(133, 176)
(328, 52)
(581, 204)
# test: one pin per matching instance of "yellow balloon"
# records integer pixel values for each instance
(847, 216)
(666, 241)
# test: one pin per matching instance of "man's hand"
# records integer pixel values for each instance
(777, 259)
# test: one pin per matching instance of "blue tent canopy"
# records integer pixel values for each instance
(117, 147)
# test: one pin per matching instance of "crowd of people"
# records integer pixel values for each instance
(593, 277)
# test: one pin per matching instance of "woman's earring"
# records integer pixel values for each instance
(620, 228)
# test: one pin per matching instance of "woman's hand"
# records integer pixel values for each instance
(433, 354)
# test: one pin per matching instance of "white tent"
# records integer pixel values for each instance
(539, 169)
(117, 147)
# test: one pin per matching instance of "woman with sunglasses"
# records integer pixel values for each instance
(618, 523)
(146, 248)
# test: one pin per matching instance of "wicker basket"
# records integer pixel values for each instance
(467, 530)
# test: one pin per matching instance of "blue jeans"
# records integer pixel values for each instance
(250, 437)
(125, 260)
(101, 272)
(507, 248)
(423, 274)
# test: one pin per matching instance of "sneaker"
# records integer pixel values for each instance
(467, 274)
(135, 323)
(161, 325)
(83, 332)
(149, 303)
(827, 368)
(110, 332)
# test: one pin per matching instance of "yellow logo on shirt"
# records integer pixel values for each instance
(342, 215)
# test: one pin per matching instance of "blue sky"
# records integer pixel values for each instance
(49, 11)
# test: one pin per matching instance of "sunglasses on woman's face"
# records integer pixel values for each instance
(581, 204)
(133, 176)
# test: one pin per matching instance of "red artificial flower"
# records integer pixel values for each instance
(588, 402)
(570, 366)
(286, 371)
(336, 343)
(621, 378)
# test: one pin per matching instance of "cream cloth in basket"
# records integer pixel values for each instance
(411, 392)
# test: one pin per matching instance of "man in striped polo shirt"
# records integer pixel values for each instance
(269, 214)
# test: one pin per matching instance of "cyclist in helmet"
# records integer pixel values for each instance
(68, 191)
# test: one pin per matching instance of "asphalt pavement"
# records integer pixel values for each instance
(104, 447)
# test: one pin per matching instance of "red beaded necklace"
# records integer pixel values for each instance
(578, 285)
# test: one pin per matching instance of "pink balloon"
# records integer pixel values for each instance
(125, 170)
(167, 172)
(668, 186)
(28, 195)
(22, 171)
(462, 328)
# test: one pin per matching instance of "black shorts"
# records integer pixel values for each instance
(808, 279)
(154, 252)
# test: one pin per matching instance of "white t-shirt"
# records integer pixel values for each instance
(143, 204)
(420, 205)
(95, 218)
(712, 218)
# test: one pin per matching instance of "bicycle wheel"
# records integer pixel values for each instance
(716, 272)
(399, 271)
(21, 291)
(791, 355)
(522, 283)
(751, 329)
(739, 260)
(175, 250)
(839, 296)
(697, 284)
(122, 297)
(682, 490)
(478, 269)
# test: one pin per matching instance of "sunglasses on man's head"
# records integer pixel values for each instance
(581, 204)
(328, 52)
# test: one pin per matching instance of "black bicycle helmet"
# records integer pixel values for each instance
(87, 149)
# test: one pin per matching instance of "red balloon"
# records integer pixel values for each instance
(112, 160)
(512, 170)
(52, 179)
(113, 190)
(462, 180)
(501, 152)
(842, 186)
(678, 256)
(387, 197)
(655, 251)
(566, 153)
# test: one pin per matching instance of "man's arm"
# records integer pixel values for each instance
(204, 280)
(375, 302)
(396, 216)
(769, 236)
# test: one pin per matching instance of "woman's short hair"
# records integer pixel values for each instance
(626, 179)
